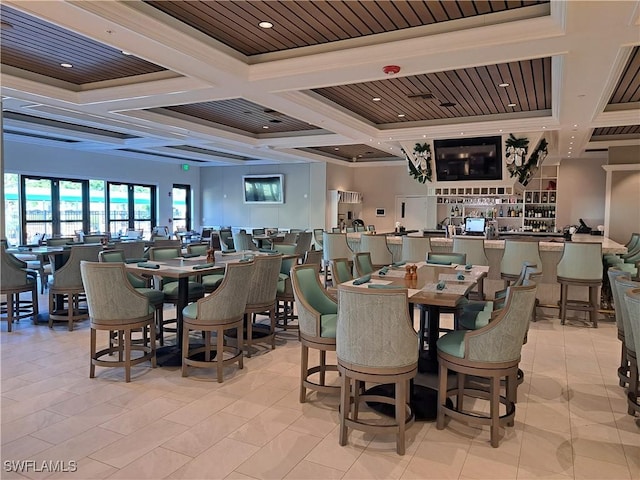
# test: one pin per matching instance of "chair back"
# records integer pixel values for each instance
(515, 253)
(360, 228)
(501, 340)
(312, 300)
(313, 257)
(446, 258)
(581, 261)
(226, 240)
(198, 248)
(362, 263)
(377, 246)
(243, 241)
(340, 270)
(110, 297)
(290, 237)
(473, 248)
(612, 273)
(415, 249)
(303, 242)
(111, 256)
(374, 330)
(335, 246)
(258, 231)
(263, 286)
(214, 241)
(132, 249)
(166, 242)
(69, 276)
(350, 229)
(11, 273)
(632, 300)
(336, 230)
(317, 236)
(58, 241)
(620, 285)
(164, 253)
(228, 302)
(371, 228)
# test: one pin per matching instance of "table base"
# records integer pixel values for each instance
(171, 355)
(424, 401)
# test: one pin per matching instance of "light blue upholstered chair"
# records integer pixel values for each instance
(446, 258)
(341, 271)
(415, 249)
(285, 313)
(492, 352)
(515, 253)
(623, 369)
(114, 305)
(362, 264)
(473, 248)
(377, 246)
(220, 312)
(375, 342)
(15, 280)
(317, 316)
(632, 300)
(334, 246)
(580, 266)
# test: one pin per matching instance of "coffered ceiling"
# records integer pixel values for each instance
(348, 82)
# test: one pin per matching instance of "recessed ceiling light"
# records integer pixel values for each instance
(500, 130)
(400, 115)
(575, 125)
(461, 133)
(543, 127)
(573, 136)
(125, 53)
(570, 143)
(376, 99)
(570, 148)
(512, 105)
(503, 85)
(424, 136)
(265, 127)
(66, 65)
(265, 25)
(336, 148)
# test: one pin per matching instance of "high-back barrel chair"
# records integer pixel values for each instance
(317, 316)
(285, 314)
(580, 266)
(632, 301)
(340, 270)
(15, 280)
(219, 312)
(377, 246)
(334, 246)
(515, 253)
(492, 352)
(415, 249)
(623, 369)
(114, 305)
(473, 248)
(362, 264)
(67, 286)
(375, 342)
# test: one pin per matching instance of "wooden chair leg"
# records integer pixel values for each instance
(593, 306)
(442, 397)
(344, 407)
(495, 410)
(185, 349)
(92, 348)
(127, 354)
(220, 352)
(563, 303)
(401, 402)
(304, 366)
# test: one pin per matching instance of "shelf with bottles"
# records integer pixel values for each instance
(541, 197)
(539, 225)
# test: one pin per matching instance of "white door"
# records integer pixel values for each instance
(416, 212)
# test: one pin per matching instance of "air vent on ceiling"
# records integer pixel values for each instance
(421, 96)
(35, 135)
(597, 150)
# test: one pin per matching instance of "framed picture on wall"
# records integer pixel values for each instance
(380, 212)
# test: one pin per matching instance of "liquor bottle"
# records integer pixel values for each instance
(544, 197)
(528, 199)
(501, 212)
(552, 197)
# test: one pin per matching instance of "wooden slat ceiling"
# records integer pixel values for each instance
(34, 45)
(627, 130)
(303, 23)
(353, 153)
(628, 88)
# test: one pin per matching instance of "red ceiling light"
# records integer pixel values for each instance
(391, 69)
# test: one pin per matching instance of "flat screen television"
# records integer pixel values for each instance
(478, 158)
(474, 225)
(263, 189)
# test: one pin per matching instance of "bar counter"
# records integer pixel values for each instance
(550, 254)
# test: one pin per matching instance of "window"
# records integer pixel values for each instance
(131, 207)
(181, 197)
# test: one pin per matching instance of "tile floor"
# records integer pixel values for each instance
(571, 419)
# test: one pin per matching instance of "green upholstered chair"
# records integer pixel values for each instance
(317, 237)
(67, 286)
(515, 253)
(313, 257)
(362, 264)
(15, 280)
(133, 250)
(243, 241)
(263, 288)
(96, 238)
(415, 249)
(334, 246)
(623, 369)
(632, 301)
(375, 342)
(341, 270)
(114, 305)
(580, 266)
(446, 258)
(226, 240)
(620, 285)
(285, 313)
(317, 315)
(473, 248)
(377, 246)
(198, 248)
(492, 352)
(220, 312)
(350, 229)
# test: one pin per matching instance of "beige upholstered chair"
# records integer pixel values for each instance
(243, 241)
(580, 266)
(198, 248)
(317, 314)
(473, 248)
(263, 288)
(515, 253)
(620, 285)
(317, 237)
(375, 342)
(623, 369)
(114, 305)
(377, 246)
(96, 238)
(14, 281)
(313, 257)
(67, 286)
(414, 249)
(334, 246)
(446, 258)
(132, 250)
(492, 352)
(632, 301)
(219, 312)
(340, 270)
(303, 242)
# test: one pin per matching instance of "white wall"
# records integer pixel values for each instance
(304, 197)
(581, 192)
(34, 159)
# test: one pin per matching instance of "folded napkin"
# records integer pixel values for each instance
(155, 266)
(135, 260)
(190, 255)
(383, 271)
(398, 264)
(381, 286)
(460, 276)
(245, 259)
(203, 265)
(439, 262)
(228, 252)
(266, 250)
(468, 266)
(361, 280)
(441, 285)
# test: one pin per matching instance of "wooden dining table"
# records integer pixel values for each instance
(423, 292)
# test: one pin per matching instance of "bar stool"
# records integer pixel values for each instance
(623, 369)
(334, 246)
(632, 301)
(516, 253)
(580, 266)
